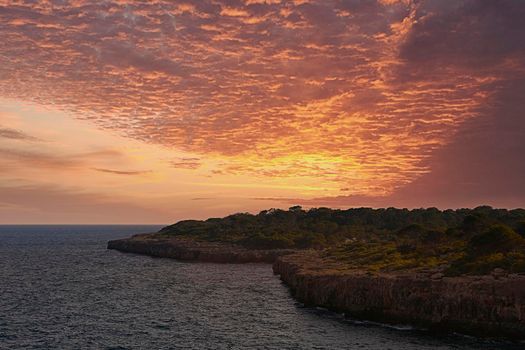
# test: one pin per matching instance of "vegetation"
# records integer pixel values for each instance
(463, 241)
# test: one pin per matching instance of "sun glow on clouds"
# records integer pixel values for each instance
(299, 98)
(58, 163)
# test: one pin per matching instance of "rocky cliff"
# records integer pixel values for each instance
(192, 250)
(492, 305)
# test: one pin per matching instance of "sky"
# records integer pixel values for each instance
(156, 111)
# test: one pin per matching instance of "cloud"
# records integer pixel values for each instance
(482, 164)
(471, 34)
(186, 163)
(122, 172)
(14, 134)
(46, 159)
(54, 204)
(332, 201)
(347, 94)
(38, 159)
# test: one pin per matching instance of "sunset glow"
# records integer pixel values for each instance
(126, 111)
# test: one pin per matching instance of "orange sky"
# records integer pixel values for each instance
(151, 112)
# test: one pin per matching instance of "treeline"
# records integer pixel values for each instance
(323, 227)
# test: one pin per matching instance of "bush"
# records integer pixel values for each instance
(520, 228)
(413, 231)
(496, 238)
(259, 241)
(468, 240)
(311, 240)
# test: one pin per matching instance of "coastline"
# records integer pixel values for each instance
(192, 250)
(488, 306)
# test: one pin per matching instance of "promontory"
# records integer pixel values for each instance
(454, 270)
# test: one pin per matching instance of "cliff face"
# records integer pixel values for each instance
(488, 306)
(190, 250)
(484, 306)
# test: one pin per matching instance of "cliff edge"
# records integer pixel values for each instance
(488, 306)
(193, 250)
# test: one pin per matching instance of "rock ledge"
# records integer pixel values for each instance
(485, 306)
(192, 250)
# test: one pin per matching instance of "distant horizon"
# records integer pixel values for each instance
(253, 213)
(77, 224)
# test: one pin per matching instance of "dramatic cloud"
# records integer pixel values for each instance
(469, 34)
(483, 161)
(366, 101)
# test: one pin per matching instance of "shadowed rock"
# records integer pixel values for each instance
(487, 306)
(192, 250)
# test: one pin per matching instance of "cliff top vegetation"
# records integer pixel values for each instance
(462, 241)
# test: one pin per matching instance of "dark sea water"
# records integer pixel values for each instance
(60, 288)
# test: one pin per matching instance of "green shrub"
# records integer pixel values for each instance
(496, 238)
(469, 241)
(259, 241)
(520, 228)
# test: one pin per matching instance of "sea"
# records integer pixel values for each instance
(60, 288)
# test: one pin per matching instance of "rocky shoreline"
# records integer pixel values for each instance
(484, 306)
(192, 250)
